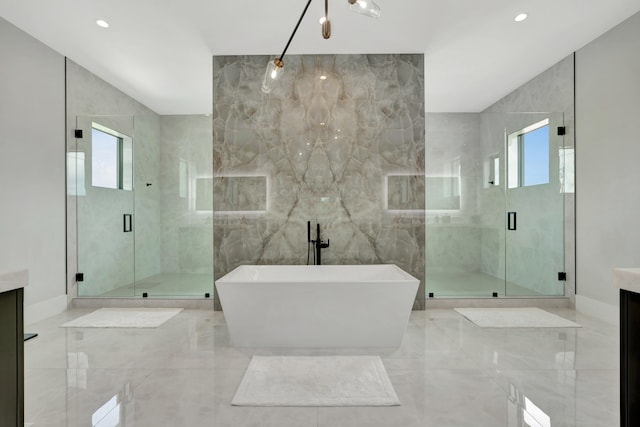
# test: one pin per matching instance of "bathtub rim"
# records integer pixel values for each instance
(403, 276)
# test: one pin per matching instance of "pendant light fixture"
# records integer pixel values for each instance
(326, 24)
(365, 7)
(276, 67)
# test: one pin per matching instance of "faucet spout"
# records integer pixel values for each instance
(319, 244)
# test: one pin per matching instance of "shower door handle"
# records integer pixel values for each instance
(127, 225)
(512, 221)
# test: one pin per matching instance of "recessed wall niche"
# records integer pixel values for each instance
(325, 139)
(405, 192)
(232, 193)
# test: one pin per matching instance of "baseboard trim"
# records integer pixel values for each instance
(600, 310)
(44, 309)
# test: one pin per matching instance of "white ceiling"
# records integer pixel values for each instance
(159, 51)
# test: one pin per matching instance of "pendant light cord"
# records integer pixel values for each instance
(295, 29)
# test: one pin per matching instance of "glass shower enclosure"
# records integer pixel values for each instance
(138, 231)
(495, 205)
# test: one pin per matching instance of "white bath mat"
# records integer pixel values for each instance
(124, 318)
(521, 317)
(315, 381)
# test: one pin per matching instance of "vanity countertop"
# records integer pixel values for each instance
(627, 279)
(10, 280)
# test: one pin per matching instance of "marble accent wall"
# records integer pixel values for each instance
(325, 139)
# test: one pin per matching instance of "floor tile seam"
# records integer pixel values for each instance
(468, 355)
(495, 379)
(98, 370)
(541, 369)
(453, 336)
(472, 355)
(445, 332)
(496, 376)
(555, 370)
(173, 369)
(459, 370)
(143, 381)
(46, 368)
(617, 370)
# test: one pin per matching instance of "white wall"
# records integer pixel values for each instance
(32, 169)
(607, 163)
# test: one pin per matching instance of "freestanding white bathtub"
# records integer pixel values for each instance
(317, 306)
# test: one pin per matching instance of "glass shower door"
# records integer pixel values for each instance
(174, 207)
(534, 200)
(103, 165)
(504, 235)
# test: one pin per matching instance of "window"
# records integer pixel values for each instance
(494, 170)
(111, 159)
(528, 156)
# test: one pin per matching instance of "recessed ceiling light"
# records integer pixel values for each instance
(521, 17)
(323, 77)
(102, 23)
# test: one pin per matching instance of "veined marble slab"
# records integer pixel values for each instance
(11, 280)
(627, 279)
(321, 148)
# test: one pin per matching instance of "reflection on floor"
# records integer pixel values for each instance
(166, 284)
(447, 373)
(471, 284)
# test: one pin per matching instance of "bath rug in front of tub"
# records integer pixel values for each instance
(315, 381)
(520, 317)
(124, 318)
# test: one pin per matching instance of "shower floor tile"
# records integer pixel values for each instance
(471, 284)
(166, 284)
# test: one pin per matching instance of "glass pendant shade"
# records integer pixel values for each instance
(276, 67)
(365, 7)
(273, 73)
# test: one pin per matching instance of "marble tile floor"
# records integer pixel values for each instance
(448, 372)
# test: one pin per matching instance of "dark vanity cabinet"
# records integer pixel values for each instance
(11, 358)
(629, 359)
(628, 281)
